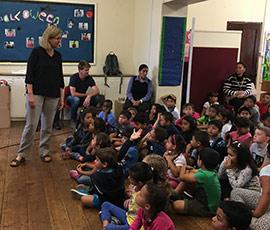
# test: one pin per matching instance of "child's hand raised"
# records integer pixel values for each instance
(136, 134)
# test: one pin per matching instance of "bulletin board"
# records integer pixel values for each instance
(172, 49)
(23, 22)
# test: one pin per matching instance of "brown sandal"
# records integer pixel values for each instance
(16, 163)
(46, 158)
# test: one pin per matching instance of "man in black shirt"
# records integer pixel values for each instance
(79, 93)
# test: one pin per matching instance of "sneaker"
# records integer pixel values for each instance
(77, 194)
(74, 174)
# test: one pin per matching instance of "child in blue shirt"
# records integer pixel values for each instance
(108, 116)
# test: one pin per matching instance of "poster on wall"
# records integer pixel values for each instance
(172, 51)
(266, 63)
(22, 25)
(187, 45)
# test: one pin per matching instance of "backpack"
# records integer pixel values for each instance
(111, 66)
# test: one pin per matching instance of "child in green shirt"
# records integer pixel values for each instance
(207, 191)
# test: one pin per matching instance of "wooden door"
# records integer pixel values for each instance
(250, 42)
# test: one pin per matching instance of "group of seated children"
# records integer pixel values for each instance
(216, 164)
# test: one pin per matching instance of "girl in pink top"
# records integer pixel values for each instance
(152, 200)
(242, 133)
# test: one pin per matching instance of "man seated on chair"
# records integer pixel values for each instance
(80, 95)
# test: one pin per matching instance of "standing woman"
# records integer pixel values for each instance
(44, 87)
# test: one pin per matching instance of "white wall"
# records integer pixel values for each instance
(147, 37)
(115, 31)
(214, 14)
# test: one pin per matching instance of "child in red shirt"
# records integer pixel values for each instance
(264, 103)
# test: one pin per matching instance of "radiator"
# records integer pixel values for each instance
(17, 103)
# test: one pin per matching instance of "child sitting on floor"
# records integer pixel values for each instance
(225, 116)
(174, 155)
(139, 174)
(266, 119)
(129, 153)
(84, 170)
(165, 120)
(122, 125)
(258, 148)
(202, 122)
(152, 200)
(83, 154)
(187, 127)
(82, 135)
(232, 215)
(169, 102)
(133, 111)
(216, 142)
(108, 116)
(107, 183)
(250, 102)
(264, 103)
(154, 111)
(199, 141)
(154, 142)
(207, 188)
(188, 110)
(160, 168)
(242, 133)
(213, 100)
(238, 170)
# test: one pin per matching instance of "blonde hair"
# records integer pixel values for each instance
(158, 163)
(160, 167)
(51, 31)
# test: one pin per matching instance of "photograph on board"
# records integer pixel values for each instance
(29, 42)
(83, 26)
(85, 36)
(65, 34)
(73, 44)
(10, 33)
(70, 23)
(9, 45)
(78, 13)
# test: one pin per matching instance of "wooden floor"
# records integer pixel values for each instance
(36, 195)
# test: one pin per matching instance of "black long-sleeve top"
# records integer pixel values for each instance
(45, 73)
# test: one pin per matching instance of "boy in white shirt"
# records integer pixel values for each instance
(169, 102)
(258, 148)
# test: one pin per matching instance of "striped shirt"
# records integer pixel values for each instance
(233, 84)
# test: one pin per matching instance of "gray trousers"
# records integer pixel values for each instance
(251, 198)
(45, 108)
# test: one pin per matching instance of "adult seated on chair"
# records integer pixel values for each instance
(139, 91)
(237, 87)
(80, 95)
